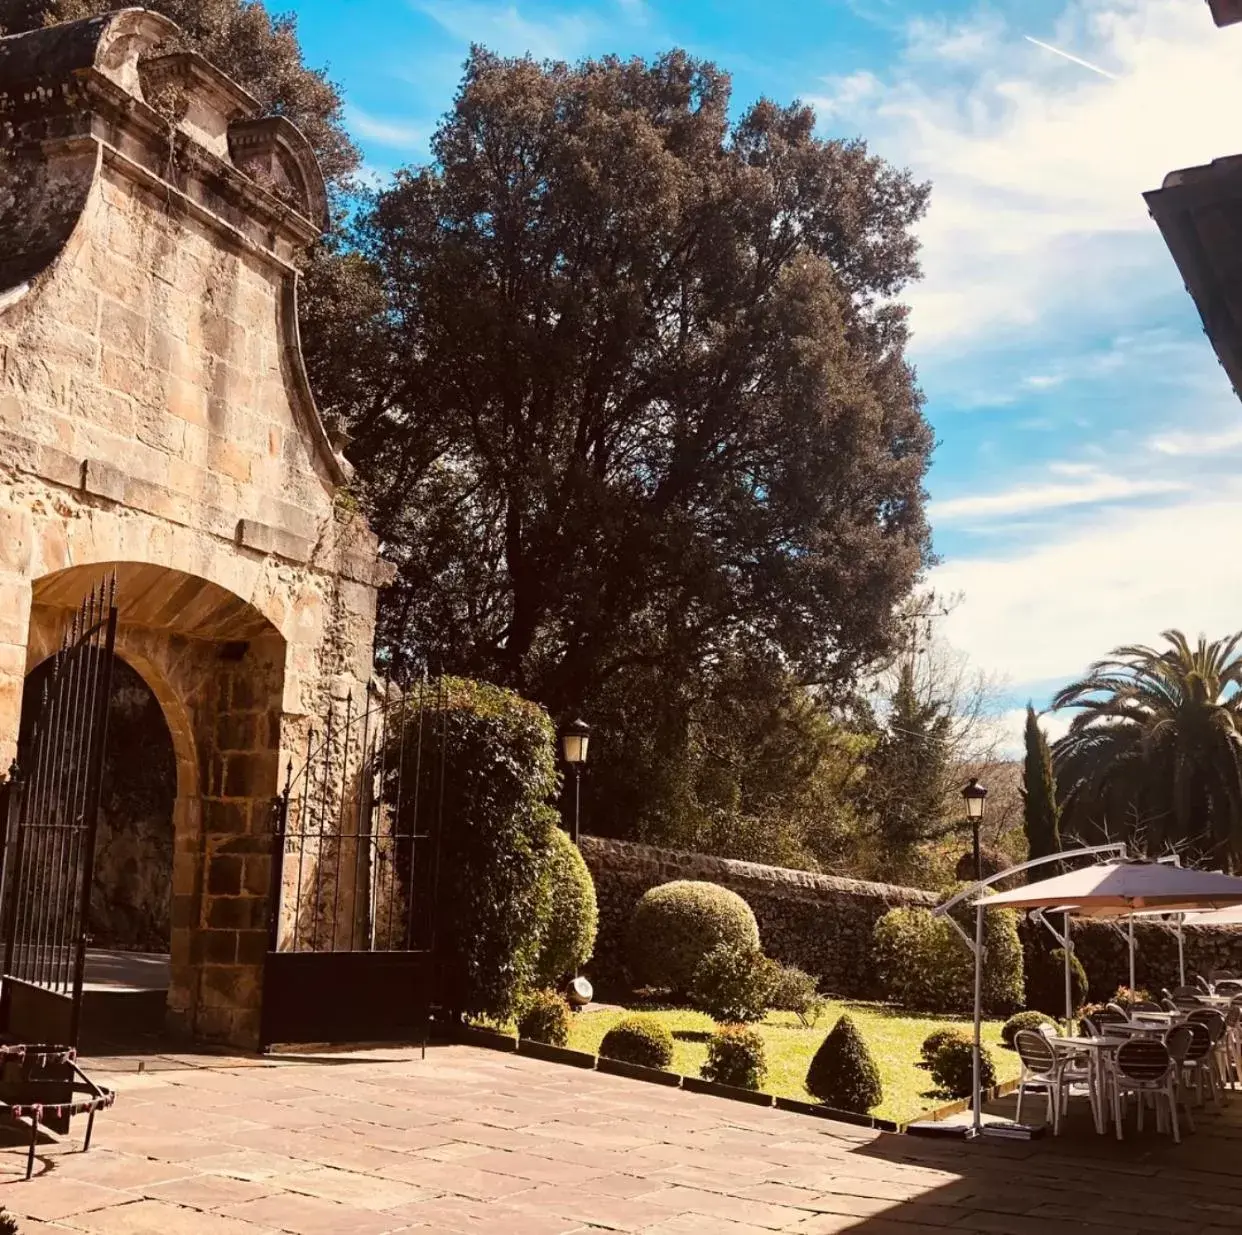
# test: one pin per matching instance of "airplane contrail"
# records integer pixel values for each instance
(1086, 64)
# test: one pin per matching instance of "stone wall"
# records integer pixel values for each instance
(156, 426)
(1106, 958)
(818, 922)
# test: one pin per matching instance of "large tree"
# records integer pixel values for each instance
(647, 405)
(1041, 814)
(1154, 753)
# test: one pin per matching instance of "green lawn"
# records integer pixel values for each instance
(893, 1036)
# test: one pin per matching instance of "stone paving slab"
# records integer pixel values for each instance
(466, 1140)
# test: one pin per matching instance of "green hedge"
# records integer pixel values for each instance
(639, 1039)
(674, 926)
(735, 1056)
(843, 1073)
(572, 916)
(1045, 982)
(496, 835)
(545, 1018)
(953, 1069)
(923, 964)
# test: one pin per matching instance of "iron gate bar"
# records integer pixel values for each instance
(54, 810)
(352, 924)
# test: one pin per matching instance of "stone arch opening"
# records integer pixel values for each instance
(131, 895)
(203, 670)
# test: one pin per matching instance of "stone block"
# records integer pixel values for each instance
(16, 540)
(123, 329)
(101, 479)
(252, 947)
(224, 876)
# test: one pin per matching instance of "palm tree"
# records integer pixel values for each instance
(1156, 747)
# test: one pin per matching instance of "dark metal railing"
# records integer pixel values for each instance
(356, 827)
(53, 808)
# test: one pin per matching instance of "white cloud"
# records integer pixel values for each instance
(510, 29)
(1046, 612)
(396, 133)
(1085, 486)
(1010, 730)
(1199, 444)
(1038, 165)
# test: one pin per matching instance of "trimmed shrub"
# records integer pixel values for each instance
(1023, 1020)
(569, 930)
(1125, 996)
(937, 1038)
(639, 1039)
(843, 1074)
(735, 1056)
(953, 1069)
(497, 774)
(1045, 982)
(795, 990)
(545, 1018)
(674, 926)
(732, 984)
(922, 964)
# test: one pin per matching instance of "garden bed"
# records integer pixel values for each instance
(894, 1037)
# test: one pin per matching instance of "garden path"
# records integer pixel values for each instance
(471, 1140)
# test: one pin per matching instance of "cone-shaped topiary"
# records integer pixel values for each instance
(937, 1038)
(545, 1018)
(639, 1039)
(1023, 1020)
(1045, 981)
(674, 926)
(843, 1073)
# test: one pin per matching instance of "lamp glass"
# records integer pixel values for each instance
(574, 747)
(974, 807)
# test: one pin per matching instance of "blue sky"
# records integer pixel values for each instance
(1086, 488)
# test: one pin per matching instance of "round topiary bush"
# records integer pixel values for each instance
(674, 926)
(921, 963)
(843, 1074)
(1023, 1020)
(1045, 982)
(953, 1068)
(732, 984)
(795, 990)
(639, 1039)
(937, 1038)
(568, 937)
(735, 1056)
(545, 1018)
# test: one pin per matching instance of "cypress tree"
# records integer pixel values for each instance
(1041, 815)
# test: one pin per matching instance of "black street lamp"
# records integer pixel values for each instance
(574, 740)
(975, 796)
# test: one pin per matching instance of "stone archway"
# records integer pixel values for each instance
(215, 665)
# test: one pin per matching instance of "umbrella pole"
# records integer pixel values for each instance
(1181, 951)
(1132, 984)
(977, 1103)
(1068, 949)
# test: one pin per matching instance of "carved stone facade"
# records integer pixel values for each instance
(156, 422)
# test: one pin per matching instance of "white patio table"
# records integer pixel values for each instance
(1098, 1052)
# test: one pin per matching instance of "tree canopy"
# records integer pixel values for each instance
(648, 402)
(1041, 814)
(1154, 753)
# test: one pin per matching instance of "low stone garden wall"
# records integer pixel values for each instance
(818, 922)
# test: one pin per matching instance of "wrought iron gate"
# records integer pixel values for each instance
(52, 815)
(355, 849)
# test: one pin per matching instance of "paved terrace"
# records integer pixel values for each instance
(468, 1140)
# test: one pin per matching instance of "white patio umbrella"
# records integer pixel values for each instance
(1115, 888)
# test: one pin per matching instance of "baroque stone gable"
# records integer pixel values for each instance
(156, 422)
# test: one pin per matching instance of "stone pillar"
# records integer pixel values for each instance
(16, 534)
